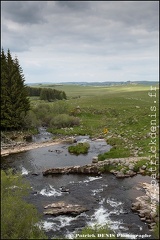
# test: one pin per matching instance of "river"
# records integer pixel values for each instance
(107, 198)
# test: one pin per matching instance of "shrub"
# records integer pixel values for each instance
(80, 148)
(64, 120)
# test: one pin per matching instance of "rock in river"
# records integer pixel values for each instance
(63, 208)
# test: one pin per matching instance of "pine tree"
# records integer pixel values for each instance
(15, 102)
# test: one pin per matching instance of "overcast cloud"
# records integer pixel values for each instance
(60, 41)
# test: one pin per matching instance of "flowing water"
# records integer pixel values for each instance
(107, 198)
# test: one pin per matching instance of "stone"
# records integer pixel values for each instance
(131, 173)
(141, 171)
(95, 160)
(131, 167)
(120, 175)
(63, 189)
(63, 208)
(136, 206)
(35, 174)
(153, 215)
(143, 167)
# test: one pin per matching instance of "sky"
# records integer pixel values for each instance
(83, 41)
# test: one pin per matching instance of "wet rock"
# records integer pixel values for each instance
(35, 174)
(120, 175)
(63, 189)
(63, 208)
(135, 206)
(95, 160)
(58, 151)
(50, 150)
(34, 192)
(152, 225)
(131, 173)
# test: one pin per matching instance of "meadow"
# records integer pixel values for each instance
(120, 114)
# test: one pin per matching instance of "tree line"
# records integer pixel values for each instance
(14, 96)
(47, 94)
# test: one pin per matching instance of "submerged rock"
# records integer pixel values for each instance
(63, 208)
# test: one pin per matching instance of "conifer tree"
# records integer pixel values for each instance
(14, 100)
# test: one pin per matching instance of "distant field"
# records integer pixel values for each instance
(76, 90)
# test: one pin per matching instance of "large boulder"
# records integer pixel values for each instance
(63, 208)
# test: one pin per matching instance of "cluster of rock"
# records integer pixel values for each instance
(63, 208)
(87, 169)
(97, 166)
(144, 205)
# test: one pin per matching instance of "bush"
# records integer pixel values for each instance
(64, 120)
(18, 218)
(30, 120)
(80, 148)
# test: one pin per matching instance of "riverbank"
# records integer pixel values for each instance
(22, 147)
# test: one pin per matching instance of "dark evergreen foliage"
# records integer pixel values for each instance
(14, 96)
(47, 94)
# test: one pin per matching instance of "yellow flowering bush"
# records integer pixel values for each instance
(105, 131)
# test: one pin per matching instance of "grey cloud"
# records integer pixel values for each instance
(119, 32)
(130, 13)
(73, 5)
(24, 12)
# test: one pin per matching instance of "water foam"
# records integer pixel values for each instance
(24, 171)
(96, 191)
(90, 179)
(113, 203)
(50, 191)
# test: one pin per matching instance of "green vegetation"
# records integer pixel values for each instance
(47, 94)
(18, 218)
(124, 110)
(80, 148)
(54, 116)
(14, 101)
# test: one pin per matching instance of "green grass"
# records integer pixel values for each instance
(123, 110)
(80, 148)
